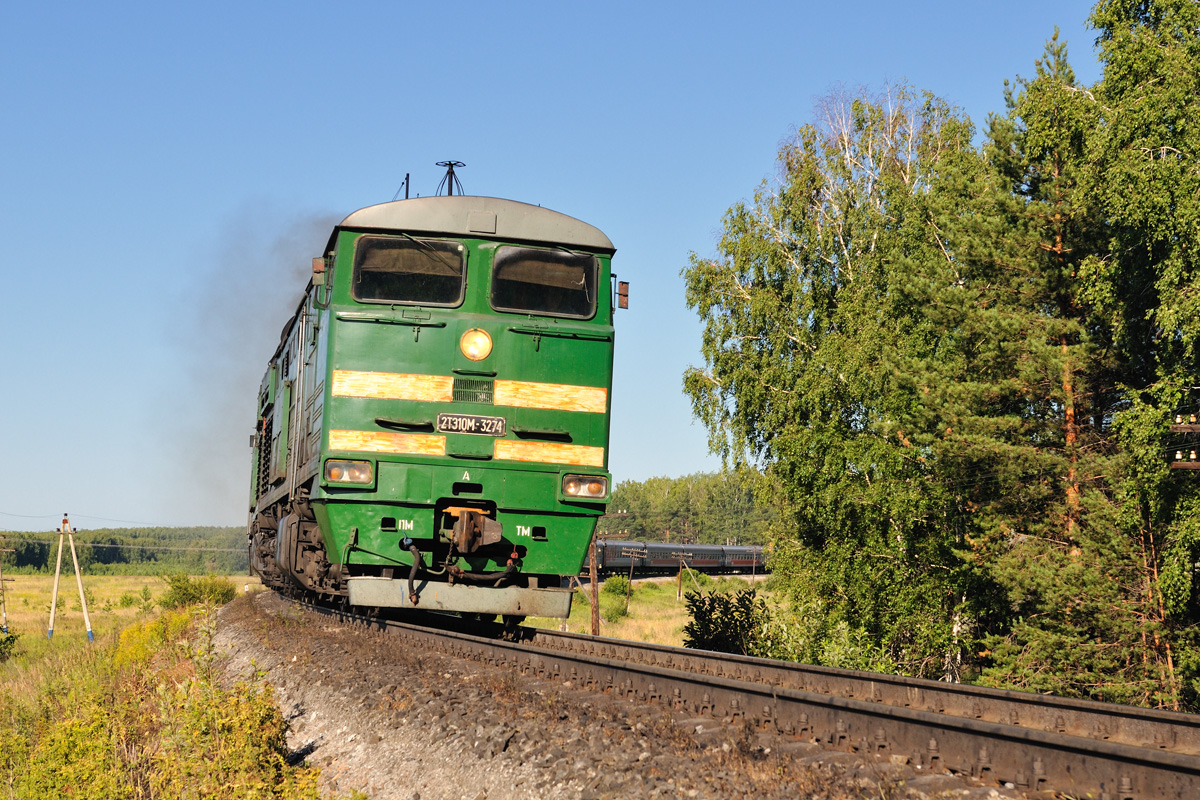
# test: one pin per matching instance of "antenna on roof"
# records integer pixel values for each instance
(403, 186)
(450, 180)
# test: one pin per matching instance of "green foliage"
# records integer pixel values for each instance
(809, 314)
(616, 585)
(8, 643)
(200, 721)
(613, 607)
(145, 718)
(956, 366)
(726, 623)
(134, 551)
(703, 508)
(88, 595)
(138, 644)
(728, 585)
(183, 590)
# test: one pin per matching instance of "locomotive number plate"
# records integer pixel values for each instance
(470, 423)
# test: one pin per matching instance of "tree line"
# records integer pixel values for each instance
(956, 354)
(703, 508)
(132, 551)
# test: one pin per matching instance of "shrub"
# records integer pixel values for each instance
(183, 590)
(726, 623)
(8, 643)
(97, 723)
(612, 607)
(128, 600)
(731, 584)
(138, 643)
(617, 584)
(697, 581)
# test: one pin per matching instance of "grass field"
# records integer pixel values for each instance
(114, 601)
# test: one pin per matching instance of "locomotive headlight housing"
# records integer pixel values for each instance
(476, 344)
(585, 487)
(357, 472)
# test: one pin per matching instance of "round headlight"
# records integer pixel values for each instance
(342, 471)
(589, 486)
(476, 344)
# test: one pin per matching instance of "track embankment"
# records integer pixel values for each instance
(406, 723)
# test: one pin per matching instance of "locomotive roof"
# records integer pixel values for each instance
(481, 217)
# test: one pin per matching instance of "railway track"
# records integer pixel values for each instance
(1031, 742)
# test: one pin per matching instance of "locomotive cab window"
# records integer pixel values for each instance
(402, 270)
(551, 282)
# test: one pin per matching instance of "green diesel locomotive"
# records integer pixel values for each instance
(433, 427)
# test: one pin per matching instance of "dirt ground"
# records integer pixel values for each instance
(402, 725)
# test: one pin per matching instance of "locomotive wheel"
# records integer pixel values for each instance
(512, 627)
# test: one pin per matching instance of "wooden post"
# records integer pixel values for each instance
(57, 572)
(3, 608)
(629, 585)
(595, 588)
(65, 531)
(87, 621)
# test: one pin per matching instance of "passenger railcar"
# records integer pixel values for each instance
(655, 558)
(433, 427)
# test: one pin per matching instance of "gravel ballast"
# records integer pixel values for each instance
(403, 725)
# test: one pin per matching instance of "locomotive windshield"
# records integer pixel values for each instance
(396, 270)
(552, 282)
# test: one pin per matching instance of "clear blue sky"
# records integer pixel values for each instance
(169, 169)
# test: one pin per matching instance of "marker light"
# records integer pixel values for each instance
(476, 344)
(588, 486)
(337, 471)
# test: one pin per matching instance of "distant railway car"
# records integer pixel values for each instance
(433, 428)
(706, 557)
(744, 559)
(664, 557)
(657, 558)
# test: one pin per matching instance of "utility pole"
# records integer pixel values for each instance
(1185, 456)
(683, 556)
(3, 607)
(65, 530)
(595, 588)
(631, 553)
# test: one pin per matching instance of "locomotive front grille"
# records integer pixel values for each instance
(467, 390)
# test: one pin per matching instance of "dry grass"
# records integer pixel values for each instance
(114, 601)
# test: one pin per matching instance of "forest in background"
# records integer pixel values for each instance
(132, 551)
(703, 508)
(956, 354)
